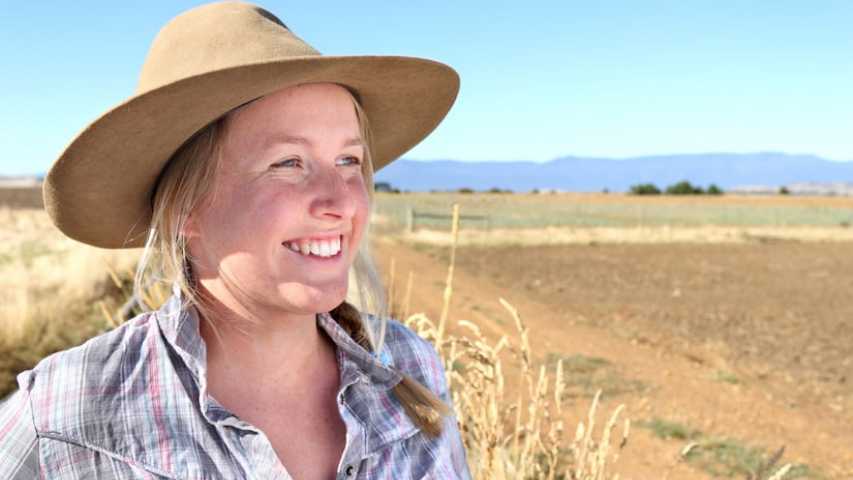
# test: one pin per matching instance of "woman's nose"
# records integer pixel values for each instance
(332, 199)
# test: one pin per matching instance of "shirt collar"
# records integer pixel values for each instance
(180, 326)
(179, 323)
(377, 409)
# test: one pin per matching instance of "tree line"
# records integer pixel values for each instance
(681, 188)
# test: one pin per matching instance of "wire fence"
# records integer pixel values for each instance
(431, 211)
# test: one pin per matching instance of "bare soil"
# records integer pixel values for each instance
(776, 309)
(21, 197)
(749, 342)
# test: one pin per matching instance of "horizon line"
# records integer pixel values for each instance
(586, 157)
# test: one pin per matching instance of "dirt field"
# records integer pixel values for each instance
(749, 343)
(731, 349)
(780, 308)
(21, 197)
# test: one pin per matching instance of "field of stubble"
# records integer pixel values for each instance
(666, 326)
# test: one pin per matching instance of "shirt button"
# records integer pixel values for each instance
(350, 471)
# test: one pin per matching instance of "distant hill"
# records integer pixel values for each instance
(762, 172)
(587, 174)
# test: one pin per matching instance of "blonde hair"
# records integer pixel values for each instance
(186, 182)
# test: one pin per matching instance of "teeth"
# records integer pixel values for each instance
(320, 248)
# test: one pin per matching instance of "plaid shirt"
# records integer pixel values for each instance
(133, 403)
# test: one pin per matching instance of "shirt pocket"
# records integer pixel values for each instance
(413, 458)
(64, 460)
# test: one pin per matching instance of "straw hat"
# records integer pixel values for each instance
(202, 64)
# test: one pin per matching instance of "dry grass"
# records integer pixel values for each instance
(503, 439)
(629, 235)
(50, 289)
(526, 211)
(522, 436)
(53, 288)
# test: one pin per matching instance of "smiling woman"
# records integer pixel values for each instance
(271, 196)
(244, 167)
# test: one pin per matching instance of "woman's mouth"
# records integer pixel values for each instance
(316, 247)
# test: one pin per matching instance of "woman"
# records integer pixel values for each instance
(243, 164)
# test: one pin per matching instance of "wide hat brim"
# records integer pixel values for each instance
(99, 190)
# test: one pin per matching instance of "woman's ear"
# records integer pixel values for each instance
(190, 229)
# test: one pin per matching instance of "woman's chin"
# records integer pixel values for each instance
(312, 299)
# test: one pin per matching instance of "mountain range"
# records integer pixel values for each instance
(762, 172)
(731, 171)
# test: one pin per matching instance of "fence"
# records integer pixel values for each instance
(414, 211)
(413, 216)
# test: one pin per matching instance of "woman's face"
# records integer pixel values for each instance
(289, 204)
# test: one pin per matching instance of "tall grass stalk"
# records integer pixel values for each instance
(407, 300)
(448, 289)
(503, 439)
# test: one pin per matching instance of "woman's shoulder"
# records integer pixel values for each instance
(100, 348)
(111, 406)
(78, 374)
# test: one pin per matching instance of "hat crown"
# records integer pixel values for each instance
(216, 37)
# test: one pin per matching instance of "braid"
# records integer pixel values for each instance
(423, 407)
(349, 318)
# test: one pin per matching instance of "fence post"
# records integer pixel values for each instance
(410, 219)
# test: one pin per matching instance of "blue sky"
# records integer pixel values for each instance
(539, 79)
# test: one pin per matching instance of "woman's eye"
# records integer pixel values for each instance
(349, 160)
(287, 162)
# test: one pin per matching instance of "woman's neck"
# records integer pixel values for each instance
(277, 350)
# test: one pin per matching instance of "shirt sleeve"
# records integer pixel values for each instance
(18, 440)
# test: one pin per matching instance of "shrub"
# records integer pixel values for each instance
(714, 190)
(645, 189)
(385, 187)
(684, 188)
